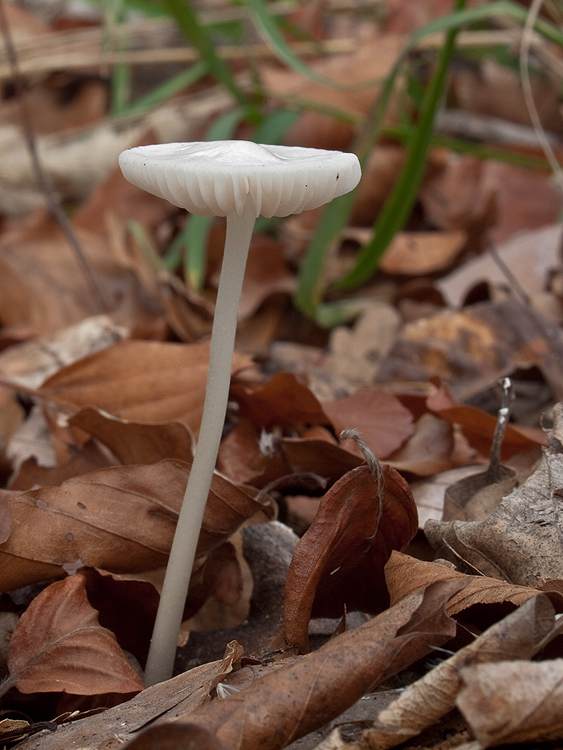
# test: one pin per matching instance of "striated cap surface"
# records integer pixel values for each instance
(216, 178)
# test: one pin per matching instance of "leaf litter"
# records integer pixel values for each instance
(101, 410)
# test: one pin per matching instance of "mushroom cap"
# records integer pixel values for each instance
(215, 178)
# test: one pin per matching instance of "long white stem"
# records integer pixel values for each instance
(162, 651)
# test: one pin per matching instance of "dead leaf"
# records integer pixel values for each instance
(144, 381)
(532, 256)
(405, 574)
(513, 702)
(338, 564)
(291, 702)
(119, 519)
(178, 736)
(181, 694)
(384, 422)
(136, 442)
(475, 497)
(520, 541)
(417, 253)
(519, 635)
(58, 645)
(282, 402)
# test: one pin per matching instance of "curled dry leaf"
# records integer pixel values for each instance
(405, 574)
(513, 702)
(120, 519)
(292, 701)
(144, 381)
(338, 564)
(59, 645)
(519, 635)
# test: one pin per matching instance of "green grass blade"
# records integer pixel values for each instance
(166, 90)
(198, 35)
(399, 204)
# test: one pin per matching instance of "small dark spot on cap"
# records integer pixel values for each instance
(81, 506)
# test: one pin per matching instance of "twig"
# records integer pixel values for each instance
(52, 199)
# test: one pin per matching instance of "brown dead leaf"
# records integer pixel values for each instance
(513, 702)
(520, 635)
(144, 381)
(180, 695)
(290, 702)
(384, 422)
(58, 645)
(405, 574)
(119, 519)
(338, 564)
(136, 442)
(178, 736)
(428, 451)
(282, 402)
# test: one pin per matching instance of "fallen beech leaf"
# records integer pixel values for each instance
(282, 402)
(177, 736)
(513, 702)
(384, 422)
(58, 645)
(144, 381)
(519, 635)
(290, 702)
(120, 519)
(338, 563)
(135, 442)
(429, 450)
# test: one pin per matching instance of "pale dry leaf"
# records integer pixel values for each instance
(519, 635)
(513, 701)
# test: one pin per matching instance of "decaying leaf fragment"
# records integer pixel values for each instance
(59, 645)
(338, 564)
(513, 701)
(521, 540)
(294, 700)
(520, 635)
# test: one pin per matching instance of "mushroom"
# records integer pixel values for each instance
(239, 180)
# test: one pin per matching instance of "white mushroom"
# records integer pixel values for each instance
(240, 180)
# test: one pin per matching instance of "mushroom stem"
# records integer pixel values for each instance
(160, 662)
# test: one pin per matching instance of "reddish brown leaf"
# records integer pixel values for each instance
(384, 422)
(282, 402)
(59, 645)
(338, 564)
(290, 702)
(144, 381)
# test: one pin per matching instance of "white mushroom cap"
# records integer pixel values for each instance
(214, 178)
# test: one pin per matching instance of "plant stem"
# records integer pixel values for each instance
(162, 650)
